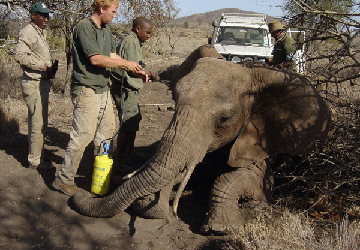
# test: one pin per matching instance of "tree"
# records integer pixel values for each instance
(199, 20)
(159, 11)
(333, 65)
(68, 13)
(331, 41)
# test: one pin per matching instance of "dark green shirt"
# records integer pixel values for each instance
(284, 49)
(90, 40)
(129, 49)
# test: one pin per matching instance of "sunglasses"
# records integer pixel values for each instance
(276, 32)
(43, 15)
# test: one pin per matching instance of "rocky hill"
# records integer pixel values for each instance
(208, 17)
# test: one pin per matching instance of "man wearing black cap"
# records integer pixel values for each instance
(33, 55)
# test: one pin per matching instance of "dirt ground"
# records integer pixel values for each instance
(35, 216)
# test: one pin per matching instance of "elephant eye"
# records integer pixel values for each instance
(224, 118)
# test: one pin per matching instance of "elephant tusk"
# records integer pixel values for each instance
(182, 187)
(128, 176)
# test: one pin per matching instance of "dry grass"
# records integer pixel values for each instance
(176, 41)
(294, 231)
(60, 112)
(10, 93)
(10, 112)
(325, 183)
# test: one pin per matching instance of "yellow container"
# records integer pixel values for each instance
(101, 175)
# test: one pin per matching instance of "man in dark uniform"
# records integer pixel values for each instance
(284, 48)
(125, 90)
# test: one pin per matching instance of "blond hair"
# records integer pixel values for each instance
(97, 4)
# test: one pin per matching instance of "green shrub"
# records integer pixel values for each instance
(56, 41)
(7, 49)
(186, 25)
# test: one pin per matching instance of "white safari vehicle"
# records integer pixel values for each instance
(240, 37)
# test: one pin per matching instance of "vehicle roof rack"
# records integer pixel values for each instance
(244, 18)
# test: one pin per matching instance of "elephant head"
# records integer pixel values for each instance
(261, 111)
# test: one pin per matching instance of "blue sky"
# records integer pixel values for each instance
(189, 7)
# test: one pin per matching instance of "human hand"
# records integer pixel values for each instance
(55, 67)
(153, 76)
(143, 75)
(49, 72)
(133, 67)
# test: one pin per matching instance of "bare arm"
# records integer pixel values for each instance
(114, 62)
(115, 56)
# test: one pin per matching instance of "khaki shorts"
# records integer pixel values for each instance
(131, 115)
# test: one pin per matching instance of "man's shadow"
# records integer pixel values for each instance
(16, 145)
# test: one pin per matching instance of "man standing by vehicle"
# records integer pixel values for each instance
(125, 90)
(93, 55)
(284, 48)
(33, 55)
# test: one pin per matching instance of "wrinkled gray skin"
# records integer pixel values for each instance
(261, 111)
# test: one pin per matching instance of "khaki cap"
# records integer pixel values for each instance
(275, 25)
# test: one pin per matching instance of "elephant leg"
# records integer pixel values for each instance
(224, 214)
(154, 206)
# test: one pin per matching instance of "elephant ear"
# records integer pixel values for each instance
(250, 146)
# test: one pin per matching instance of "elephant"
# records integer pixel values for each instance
(256, 112)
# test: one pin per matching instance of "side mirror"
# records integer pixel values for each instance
(215, 24)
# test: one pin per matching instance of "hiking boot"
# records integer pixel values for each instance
(69, 190)
(42, 166)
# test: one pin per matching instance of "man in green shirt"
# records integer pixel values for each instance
(125, 89)
(284, 48)
(93, 55)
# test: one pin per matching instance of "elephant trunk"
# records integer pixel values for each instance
(183, 144)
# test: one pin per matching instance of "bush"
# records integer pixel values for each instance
(9, 124)
(10, 79)
(56, 42)
(9, 88)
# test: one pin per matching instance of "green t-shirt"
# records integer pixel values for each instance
(89, 40)
(129, 49)
(283, 49)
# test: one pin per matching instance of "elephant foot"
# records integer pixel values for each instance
(154, 206)
(222, 220)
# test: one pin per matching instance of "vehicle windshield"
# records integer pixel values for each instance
(242, 36)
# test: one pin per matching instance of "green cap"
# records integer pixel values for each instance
(39, 7)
